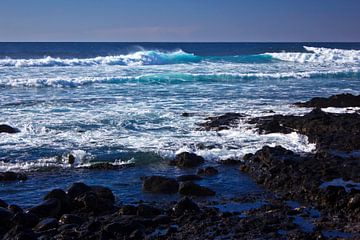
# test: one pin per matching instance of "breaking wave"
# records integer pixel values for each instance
(137, 58)
(319, 55)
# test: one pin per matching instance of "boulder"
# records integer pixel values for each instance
(60, 195)
(185, 205)
(147, 211)
(7, 129)
(48, 208)
(160, 184)
(187, 160)
(46, 224)
(12, 176)
(193, 189)
(70, 219)
(76, 189)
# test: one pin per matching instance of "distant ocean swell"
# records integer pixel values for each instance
(154, 57)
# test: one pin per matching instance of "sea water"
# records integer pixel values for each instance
(123, 103)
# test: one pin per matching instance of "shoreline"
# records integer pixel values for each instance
(322, 211)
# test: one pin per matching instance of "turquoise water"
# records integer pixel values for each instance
(122, 103)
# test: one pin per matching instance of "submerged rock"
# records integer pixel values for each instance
(208, 171)
(193, 189)
(340, 100)
(184, 178)
(187, 160)
(12, 176)
(160, 184)
(7, 129)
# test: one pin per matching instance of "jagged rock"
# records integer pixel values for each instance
(76, 189)
(160, 184)
(222, 122)
(70, 219)
(144, 210)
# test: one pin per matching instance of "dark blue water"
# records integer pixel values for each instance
(122, 103)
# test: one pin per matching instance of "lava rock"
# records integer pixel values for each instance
(340, 100)
(76, 189)
(185, 205)
(222, 122)
(70, 219)
(46, 224)
(160, 184)
(48, 208)
(7, 129)
(12, 176)
(187, 160)
(60, 195)
(144, 210)
(193, 189)
(184, 178)
(208, 171)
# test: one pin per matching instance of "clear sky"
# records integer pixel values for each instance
(180, 20)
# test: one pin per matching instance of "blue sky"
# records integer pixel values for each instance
(179, 20)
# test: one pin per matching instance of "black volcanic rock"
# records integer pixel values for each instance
(184, 178)
(8, 129)
(193, 189)
(330, 131)
(48, 208)
(12, 176)
(187, 160)
(207, 171)
(221, 122)
(160, 184)
(340, 100)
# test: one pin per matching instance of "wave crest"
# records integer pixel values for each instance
(137, 58)
(319, 55)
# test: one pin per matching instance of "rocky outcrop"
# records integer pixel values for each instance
(221, 122)
(8, 129)
(12, 176)
(187, 160)
(160, 184)
(193, 189)
(340, 100)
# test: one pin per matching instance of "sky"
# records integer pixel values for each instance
(180, 20)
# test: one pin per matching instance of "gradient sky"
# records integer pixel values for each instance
(179, 20)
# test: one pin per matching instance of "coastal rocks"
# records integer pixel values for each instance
(48, 208)
(222, 122)
(340, 100)
(330, 131)
(185, 205)
(76, 189)
(184, 178)
(70, 219)
(12, 176)
(8, 129)
(187, 160)
(46, 224)
(160, 184)
(193, 189)
(208, 171)
(106, 166)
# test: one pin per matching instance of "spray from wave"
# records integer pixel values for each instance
(138, 58)
(319, 55)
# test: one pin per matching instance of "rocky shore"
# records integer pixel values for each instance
(310, 196)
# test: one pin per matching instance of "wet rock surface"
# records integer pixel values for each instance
(187, 160)
(330, 131)
(340, 100)
(8, 129)
(221, 122)
(12, 176)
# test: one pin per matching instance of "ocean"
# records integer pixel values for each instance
(123, 103)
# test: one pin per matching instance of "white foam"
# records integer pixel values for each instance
(137, 58)
(319, 55)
